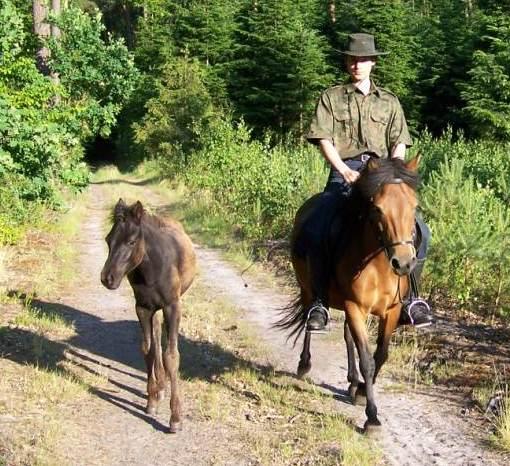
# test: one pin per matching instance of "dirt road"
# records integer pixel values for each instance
(420, 428)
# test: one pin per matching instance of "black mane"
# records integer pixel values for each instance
(384, 171)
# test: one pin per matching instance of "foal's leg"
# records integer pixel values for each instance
(387, 326)
(356, 322)
(155, 371)
(352, 370)
(171, 359)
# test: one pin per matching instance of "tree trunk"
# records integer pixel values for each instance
(56, 9)
(332, 11)
(42, 31)
(126, 11)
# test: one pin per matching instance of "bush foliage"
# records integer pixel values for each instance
(44, 123)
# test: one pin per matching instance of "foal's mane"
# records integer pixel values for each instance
(384, 171)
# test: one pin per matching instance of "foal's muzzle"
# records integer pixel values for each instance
(109, 280)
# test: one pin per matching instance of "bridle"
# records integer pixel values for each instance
(386, 245)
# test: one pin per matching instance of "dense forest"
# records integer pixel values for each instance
(218, 94)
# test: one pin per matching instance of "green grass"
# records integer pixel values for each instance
(45, 321)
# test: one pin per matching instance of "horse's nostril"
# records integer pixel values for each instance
(395, 263)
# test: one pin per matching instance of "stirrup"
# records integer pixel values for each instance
(410, 315)
(323, 309)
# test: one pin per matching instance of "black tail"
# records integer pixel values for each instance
(293, 319)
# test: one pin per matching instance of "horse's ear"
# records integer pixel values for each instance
(138, 212)
(412, 165)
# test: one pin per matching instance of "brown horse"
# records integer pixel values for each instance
(370, 276)
(158, 258)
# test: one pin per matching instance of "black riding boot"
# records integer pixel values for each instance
(318, 313)
(416, 311)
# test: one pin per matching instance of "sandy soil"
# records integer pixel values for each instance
(420, 428)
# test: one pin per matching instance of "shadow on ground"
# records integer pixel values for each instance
(112, 347)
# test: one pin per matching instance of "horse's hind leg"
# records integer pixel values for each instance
(305, 363)
(155, 371)
(356, 323)
(171, 360)
(352, 370)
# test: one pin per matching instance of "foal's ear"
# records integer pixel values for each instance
(119, 210)
(138, 212)
(412, 165)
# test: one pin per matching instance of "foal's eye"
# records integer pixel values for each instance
(131, 242)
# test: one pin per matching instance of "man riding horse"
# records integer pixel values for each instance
(354, 122)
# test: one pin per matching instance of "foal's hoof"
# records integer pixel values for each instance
(175, 426)
(152, 407)
(372, 427)
(358, 394)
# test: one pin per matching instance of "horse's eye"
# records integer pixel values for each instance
(132, 242)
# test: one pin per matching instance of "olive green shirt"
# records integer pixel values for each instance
(356, 123)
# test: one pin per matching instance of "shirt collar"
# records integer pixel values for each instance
(350, 88)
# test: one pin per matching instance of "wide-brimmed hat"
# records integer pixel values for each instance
(362, 45)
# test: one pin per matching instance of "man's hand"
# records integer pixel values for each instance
(350, 175)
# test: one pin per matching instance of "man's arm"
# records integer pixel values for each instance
(330, 153)
(399, 151)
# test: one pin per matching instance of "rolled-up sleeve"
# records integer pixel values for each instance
(399, 133)
(321, 126)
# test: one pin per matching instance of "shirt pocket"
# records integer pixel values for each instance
(380, 116)
(342, 126)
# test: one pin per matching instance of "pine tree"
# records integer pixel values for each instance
(487, 92)
(280, 65)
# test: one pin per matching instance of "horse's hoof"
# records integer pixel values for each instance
(372, 427)
(175, 426)
(302, 370)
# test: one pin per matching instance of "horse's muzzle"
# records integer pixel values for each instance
(403, 266)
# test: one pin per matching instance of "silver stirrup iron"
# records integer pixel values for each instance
(410, 307)
(328, 319)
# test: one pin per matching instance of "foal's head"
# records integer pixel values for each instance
(126, 246)
(390, 187)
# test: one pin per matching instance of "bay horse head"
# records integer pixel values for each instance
(390, 186)
(126, 245)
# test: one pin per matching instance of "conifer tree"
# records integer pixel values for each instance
(487, 92)
(280, 65)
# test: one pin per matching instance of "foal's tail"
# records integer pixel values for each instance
(293, 318)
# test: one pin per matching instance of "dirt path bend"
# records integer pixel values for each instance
(419, 429)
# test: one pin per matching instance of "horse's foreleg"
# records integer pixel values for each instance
(305, 363)
(149, 351)
(352, 370)
(387, 326)
(171, 360)
(356, 322)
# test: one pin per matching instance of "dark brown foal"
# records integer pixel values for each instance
(159, 260)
